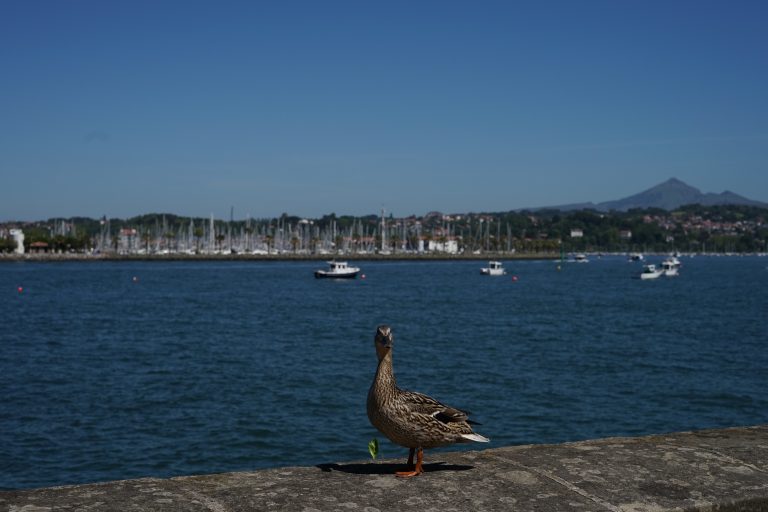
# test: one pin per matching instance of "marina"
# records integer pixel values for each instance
(226, 228)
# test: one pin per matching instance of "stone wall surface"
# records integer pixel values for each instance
(717, 470)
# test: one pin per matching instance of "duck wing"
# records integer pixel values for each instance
(423, 404)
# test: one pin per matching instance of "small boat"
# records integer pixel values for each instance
(669, 267)
(650, 272)
(338, 270)
(494, 268)
(579, 258)
(636, 256)
(674, 261)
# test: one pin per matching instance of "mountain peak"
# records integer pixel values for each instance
(668, 195)
(675, 184)
(672, 194)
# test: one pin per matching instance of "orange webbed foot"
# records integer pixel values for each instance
(417, 470)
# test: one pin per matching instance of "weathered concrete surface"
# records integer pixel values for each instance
(707, 470)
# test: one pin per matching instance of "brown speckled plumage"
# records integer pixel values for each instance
(410, 419)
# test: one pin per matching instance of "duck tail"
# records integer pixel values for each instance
(475, 437)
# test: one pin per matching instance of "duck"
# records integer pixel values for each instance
(410, 419)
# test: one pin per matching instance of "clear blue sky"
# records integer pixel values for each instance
(120, 108)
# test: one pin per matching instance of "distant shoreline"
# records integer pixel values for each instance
(48, 257)
(489, 256)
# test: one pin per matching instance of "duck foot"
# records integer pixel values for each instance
(418, 469)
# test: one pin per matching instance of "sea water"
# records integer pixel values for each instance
(115, 370)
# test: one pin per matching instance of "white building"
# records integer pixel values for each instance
(449, 246)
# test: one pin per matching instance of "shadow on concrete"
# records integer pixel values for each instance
(389, 469)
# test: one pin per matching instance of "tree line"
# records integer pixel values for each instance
(692, 228)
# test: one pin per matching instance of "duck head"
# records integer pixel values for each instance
(383, 341)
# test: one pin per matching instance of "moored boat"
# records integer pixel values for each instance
(674, 261)
(494, 268)
(338, 270)
(579, 258)
(669, 268)
(650, 272)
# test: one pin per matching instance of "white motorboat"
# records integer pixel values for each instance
(579, 258)
(338, 270)
(651, 272)
(669, 267)
(494, 268)
(636, 256)
(674, 261)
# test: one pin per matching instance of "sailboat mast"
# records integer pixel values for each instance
(383, 233)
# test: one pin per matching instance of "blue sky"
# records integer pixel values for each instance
(121, 108)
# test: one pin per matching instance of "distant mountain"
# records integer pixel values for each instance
(669, 195)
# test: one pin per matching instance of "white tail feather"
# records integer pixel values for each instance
(476, 437)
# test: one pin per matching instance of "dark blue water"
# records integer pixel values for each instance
(219, 366)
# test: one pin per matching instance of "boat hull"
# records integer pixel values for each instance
(322, 274)
(492, 272)
(651, 272)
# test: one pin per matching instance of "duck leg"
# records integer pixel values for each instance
(410, 460)
(418, 469)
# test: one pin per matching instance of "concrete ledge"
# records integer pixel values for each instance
(719, 470)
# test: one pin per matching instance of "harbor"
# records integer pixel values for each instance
(128, 369)
(376, 256)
